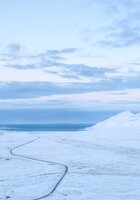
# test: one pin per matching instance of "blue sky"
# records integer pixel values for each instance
(75, 54)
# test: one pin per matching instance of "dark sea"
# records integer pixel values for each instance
(44, 127)
(48, 120)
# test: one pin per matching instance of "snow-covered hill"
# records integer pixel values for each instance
(125, 125)
(103, 162)
(124, 119)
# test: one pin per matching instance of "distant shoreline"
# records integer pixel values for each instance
(44, 127)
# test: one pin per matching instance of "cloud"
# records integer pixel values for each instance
(118, 7)
(62, 51)
(103, 100)
(14, 47)
(14, 57)
(12, 52)
(50, 55)
(121, 36)
(16, 90)
(52, 62)
(121, 28)
(25, 90)
(125, 29)
(81, 70)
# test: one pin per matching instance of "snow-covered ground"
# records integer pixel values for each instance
(103, 162)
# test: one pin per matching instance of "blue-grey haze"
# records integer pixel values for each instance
(52, 116)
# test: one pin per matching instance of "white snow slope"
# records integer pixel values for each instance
(103, 162)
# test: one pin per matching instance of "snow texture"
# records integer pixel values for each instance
(103, 162)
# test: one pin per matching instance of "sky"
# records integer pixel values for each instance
(70, 54)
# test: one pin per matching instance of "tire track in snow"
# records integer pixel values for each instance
(65, 167)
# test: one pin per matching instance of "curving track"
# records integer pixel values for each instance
(65, 167)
